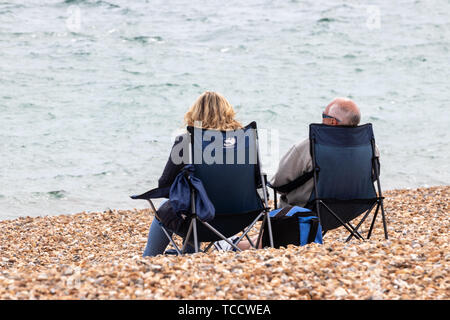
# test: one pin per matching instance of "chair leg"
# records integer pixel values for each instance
(360, 223)
(355, 230)
(373, 221)
(210, 227)
(250, 241)
(188, 235)
(349, 227)
(208, 247)
(269, 225)
(194, 219)
(152, 206)
(267, 210)
(261, 232)
(195, 235)
(275, 199)
(384, 220)
(383, 217)
(244, 234)
(171, 240)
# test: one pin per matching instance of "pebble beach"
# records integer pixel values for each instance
(98, 255)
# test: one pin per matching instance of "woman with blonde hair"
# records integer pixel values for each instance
(210, 111)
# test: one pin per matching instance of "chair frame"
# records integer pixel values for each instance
(192, 229)
(348, 226)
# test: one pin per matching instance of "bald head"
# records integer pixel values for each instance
(344, 110)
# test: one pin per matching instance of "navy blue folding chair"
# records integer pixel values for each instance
(345, 171)
(228, 165)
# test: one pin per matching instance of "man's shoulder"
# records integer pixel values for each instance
(302, 145)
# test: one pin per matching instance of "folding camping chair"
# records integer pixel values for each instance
(228, 164)
(345, 170)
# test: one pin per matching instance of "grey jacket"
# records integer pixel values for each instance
(296, 162)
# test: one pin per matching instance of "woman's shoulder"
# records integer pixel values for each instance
(182, 137)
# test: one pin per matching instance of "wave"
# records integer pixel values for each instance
(144, 39)
(7, 7)
(92, 3)
(57, 194)
(103, 173)
(326, 20)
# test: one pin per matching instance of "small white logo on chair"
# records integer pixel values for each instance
(229, 142)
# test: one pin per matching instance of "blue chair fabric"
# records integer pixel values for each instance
(230, 174)
(343, 160)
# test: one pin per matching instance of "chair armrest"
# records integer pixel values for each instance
(376, 168)
(153, 194)
(259, 178)
(288, 187)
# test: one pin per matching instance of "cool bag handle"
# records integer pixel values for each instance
(283, 212)
(313, 230)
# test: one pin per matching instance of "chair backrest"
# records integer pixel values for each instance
(227, 164)
(343, 159)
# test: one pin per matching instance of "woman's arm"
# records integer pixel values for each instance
(176, 161)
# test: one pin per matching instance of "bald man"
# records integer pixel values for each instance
(297, 161)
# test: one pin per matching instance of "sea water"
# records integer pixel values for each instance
(92, 92)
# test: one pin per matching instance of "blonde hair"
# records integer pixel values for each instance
(214, 112)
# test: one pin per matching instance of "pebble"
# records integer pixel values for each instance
(98, 255)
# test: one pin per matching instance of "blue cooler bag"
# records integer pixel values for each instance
(293, 225)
